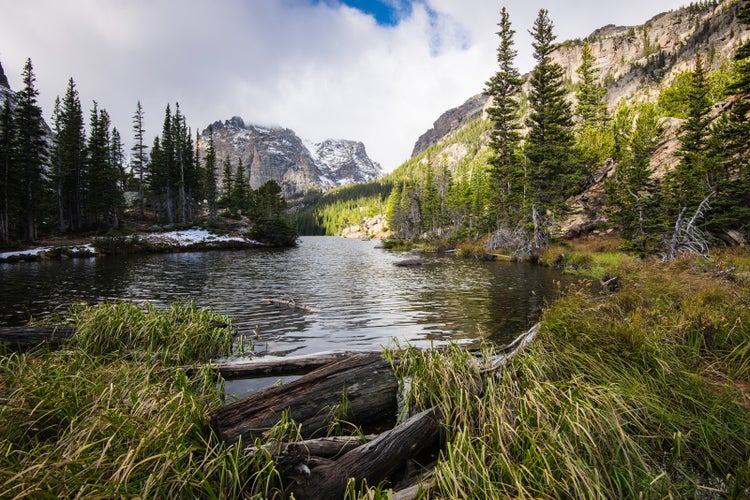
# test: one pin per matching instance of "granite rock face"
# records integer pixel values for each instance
(450, 121)
(278, 154)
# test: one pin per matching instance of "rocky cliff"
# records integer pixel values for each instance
(450, 121)
(633, 61)
(275, 153)
(3, 79)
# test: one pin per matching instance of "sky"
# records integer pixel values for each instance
(380, 72)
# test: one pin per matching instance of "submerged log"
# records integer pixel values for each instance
(411, 262)
(365, 381)
(28, 336)
(292, 304)
(373, 462)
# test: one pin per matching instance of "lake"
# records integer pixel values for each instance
(361, 301)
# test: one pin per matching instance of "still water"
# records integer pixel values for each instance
(361, 300)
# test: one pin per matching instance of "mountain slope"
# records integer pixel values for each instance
(278, 154)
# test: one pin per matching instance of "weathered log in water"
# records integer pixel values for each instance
(411, 262)
(292, 304)
(365, 380)
(29, 336)
(373, 462)
(265, 367)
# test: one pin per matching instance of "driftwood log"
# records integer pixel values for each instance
(29, 336)
(373, 462)
(292, 304)
(366, 381)
(411, 262)
(268, 366)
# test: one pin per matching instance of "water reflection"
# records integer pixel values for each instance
(362, 299)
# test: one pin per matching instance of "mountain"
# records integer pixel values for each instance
(633, 61)
(3, 79)
(275, 153)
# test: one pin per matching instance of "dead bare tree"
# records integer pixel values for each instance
(687, 236)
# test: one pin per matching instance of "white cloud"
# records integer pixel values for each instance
(324, 70)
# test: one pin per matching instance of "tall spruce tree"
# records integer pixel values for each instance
(139, 157)
(9, 193)
(691, 180)
(226, 183)
(505, 163)
(594, 141)
(633, 196)
(209, 187)
(730, 147)
(105, 200)
(553, 175)
(70, 145)
(30, 153)
(239, 199)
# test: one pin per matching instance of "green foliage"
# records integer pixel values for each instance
(632, 194)
(624, 396)
(78, 424)
(553, 175)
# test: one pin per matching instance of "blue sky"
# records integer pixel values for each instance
(386, 13)
(376, 71)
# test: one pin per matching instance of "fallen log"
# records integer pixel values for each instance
(365, 381)
(267, 367)
(28, 336)
(373, 462)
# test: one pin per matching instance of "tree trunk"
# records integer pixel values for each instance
(363, 388)
(373, 462)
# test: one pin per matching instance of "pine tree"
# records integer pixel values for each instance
(240, 188)
(505, 164)
(117, 158)
(9, 199)
(691, 180)
(552, 173)
(594, 142)
(632, 194)
(30, 153)
(70, 146)
(209, 187)
(139, 157)
(105, 199)
(226, 184)
(591, 108)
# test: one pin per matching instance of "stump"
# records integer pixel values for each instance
(365, 380)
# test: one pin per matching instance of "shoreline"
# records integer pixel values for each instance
(185, 240)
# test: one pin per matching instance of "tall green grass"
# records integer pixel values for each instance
(629, 395)
(181, 333)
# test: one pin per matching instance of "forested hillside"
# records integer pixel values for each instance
(642, 130)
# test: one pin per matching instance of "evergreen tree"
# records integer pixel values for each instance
(30, 153)
(139, 157)
(552, 173)
(9, 194)
(505, 164)
(209, 187)
(240, 190)
(632, 194)
(691, 180)
(70, 144)
(226, 184)
(591, 108)
(105, 200)
(594, 142)
(729, 147)
(117, 157)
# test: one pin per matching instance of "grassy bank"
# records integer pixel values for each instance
(114, 415)
(638, 393)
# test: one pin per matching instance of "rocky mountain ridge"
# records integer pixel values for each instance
(633, 61)
(276, 153)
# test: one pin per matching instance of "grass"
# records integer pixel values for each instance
(114, 415)
(592, 258)
(641, 393)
